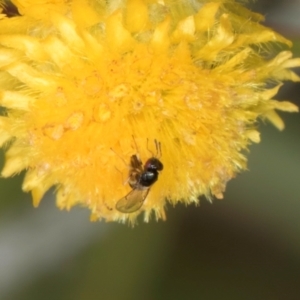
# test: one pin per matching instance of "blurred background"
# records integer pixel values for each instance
(246, 246)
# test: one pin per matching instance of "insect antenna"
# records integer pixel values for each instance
(149, 148)
(119, 156)
(124, 181)
(136, 146)
(158, 149)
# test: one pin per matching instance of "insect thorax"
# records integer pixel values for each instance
(148, 178)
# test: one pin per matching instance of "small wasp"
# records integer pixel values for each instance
(140, 180)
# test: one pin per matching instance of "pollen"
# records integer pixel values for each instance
(86, 86)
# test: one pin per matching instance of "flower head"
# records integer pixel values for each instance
(88, 85)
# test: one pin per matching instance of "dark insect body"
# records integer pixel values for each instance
(140, 180)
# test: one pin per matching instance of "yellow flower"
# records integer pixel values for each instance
(89, 84)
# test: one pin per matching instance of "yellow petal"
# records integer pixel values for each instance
(185, 30)
(274, 118)
(5, 125)
(13, 165)
(32, 180)
(205, 18)
(284, 106)
(222, 38)
(253, 135)
(59, 52)
(270, 93)
(38, 193)
(136, 15)
(30, 76)
(68, 32)
(7, 57)
(116, 35)
(160, 39)
(30, 45)
(15, 100)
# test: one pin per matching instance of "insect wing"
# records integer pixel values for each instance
(133, 201)
(135, 163)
